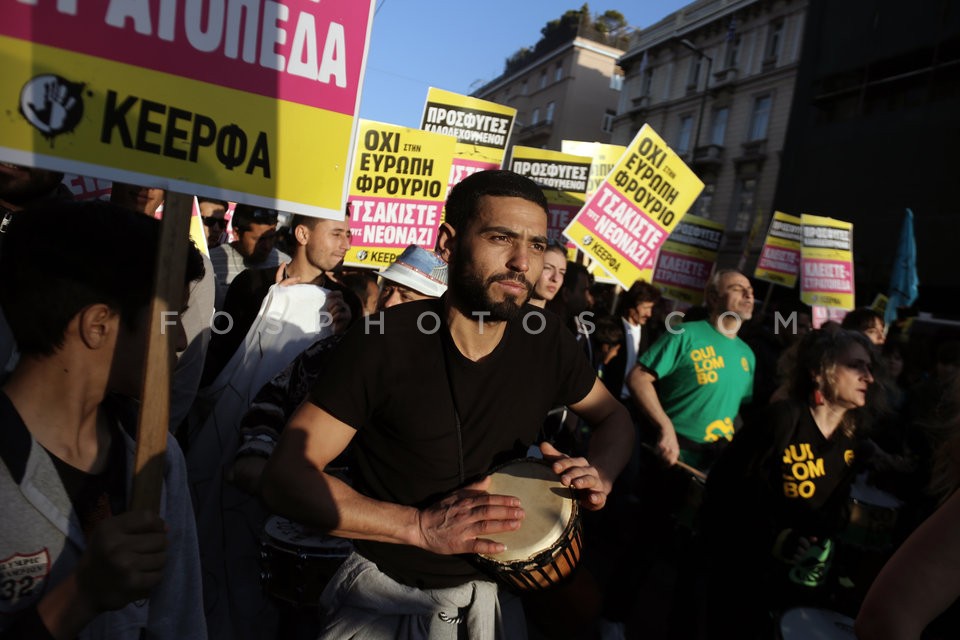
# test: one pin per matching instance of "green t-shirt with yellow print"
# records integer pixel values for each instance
(703, 376)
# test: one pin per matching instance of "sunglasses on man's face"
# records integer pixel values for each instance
(212, 221)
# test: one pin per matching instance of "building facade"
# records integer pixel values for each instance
(715, 80)
(873, 131)
(570, 92)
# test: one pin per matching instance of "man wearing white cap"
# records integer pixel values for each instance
(416, 274)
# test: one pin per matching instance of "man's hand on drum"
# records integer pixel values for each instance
(459, 522)
(578, 474)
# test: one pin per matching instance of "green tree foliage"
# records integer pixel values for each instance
(565, 28)
(609, 21)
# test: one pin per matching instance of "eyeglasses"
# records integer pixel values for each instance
(212, 221)
(861, 366)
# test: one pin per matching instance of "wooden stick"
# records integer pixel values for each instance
(616, 296)
(766, 299)
(700, 475)
(168, 290)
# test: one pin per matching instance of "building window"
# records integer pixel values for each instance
(743, 207)
(646, 84)
(536, 116)
(774, 42)
(693, 79)
(718, 130)
(523, 88)
(616, 81)
(558, 72)
(683, 137)
(704, 202)
(733, 52)
(543, 78)
(607, 124)
(760, 118)
(550, 108)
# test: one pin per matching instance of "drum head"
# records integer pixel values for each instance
(815, 624)
(284, 533)
(866, 494)
(548, 505)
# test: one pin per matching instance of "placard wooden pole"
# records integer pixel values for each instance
(614, 298)
(168, 289)
(766, 299)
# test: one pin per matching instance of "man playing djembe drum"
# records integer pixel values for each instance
(433, 397)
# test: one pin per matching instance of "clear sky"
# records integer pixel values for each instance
(458, 46)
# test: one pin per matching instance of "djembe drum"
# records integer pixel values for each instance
(545, 550)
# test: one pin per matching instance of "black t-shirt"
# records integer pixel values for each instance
(812, 468)
(779, 472)
(96, 496)
(393, 388)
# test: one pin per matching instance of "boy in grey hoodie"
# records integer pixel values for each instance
(75, 286)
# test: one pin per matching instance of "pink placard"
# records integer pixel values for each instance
(679, 270)
(779, 259)
(391, 223)
(617, 222)
(827, 276)
(822, 315)
(87, 188)
(220, 43)
(560, 216)
(461, 168)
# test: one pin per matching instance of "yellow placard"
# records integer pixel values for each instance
(879, 303)
(826, 262)
(563, 178)
(197, 231)
(604, 158)
(686, 259)
(779, 260)
(624, 223)
(482, 128)
(220, 106)
(397, 189)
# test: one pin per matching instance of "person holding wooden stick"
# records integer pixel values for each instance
(704, 372)
(75, 285)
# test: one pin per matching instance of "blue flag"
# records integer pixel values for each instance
(903, 280)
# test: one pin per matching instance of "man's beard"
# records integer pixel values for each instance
(474, 293)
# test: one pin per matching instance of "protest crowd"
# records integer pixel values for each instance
(350, 449)
(427, 384)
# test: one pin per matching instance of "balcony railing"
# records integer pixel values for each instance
(754, 149)
(724, 77)
(708, 154)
